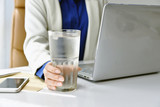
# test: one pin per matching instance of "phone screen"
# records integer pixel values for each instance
(12, 83)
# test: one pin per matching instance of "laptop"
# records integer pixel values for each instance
(128, 43)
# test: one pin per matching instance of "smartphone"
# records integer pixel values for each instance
(13, 84)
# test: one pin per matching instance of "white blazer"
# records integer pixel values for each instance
(44, 15)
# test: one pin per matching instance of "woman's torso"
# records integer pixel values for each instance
(94, 10)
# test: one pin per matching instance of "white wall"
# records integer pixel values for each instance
(6, 9)
(2, 35)
(9, 7)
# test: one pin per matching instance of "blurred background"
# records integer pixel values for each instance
(6, 9)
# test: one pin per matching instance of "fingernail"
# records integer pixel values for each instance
(59, 84)
(57, 71)
(61, 79)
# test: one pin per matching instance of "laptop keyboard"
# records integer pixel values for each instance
(87, 68)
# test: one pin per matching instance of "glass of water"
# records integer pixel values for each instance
(64, 50)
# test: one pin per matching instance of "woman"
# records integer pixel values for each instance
(44, 15)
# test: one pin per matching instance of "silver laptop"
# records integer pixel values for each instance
(128, 43)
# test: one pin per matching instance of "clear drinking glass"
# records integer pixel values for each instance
(64, 50)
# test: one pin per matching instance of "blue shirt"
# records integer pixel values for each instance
(74, 16)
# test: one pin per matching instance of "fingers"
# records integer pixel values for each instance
(49, 67)
(53, 76)
(51, 87)
(53, 83)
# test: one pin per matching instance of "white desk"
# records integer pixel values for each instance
(141, 91)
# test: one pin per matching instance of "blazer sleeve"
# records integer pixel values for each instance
(36, 46)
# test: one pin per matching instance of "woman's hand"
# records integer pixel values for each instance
(52, 76)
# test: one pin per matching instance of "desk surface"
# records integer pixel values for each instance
(140, 91)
